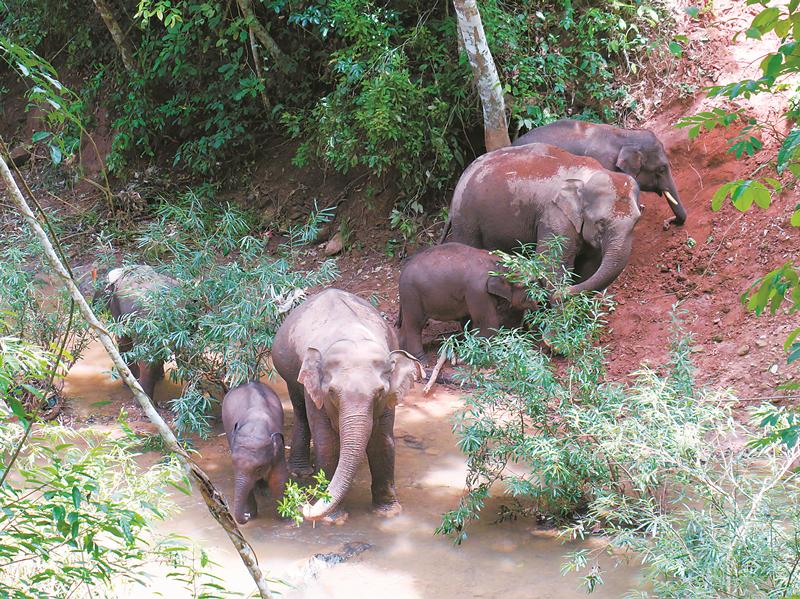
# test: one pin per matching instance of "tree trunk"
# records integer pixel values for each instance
(470, 28)
(213, 498)
(124, 48)
(282, 62)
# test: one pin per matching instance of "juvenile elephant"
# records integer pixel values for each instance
(252, 416)
(345, 374)
(529, 194)
(451, 282)
(636, 152)
(129, 288)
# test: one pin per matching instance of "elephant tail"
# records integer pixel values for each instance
(448, 225)
(399, 322)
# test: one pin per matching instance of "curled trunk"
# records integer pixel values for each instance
(354, 433)
(615, 257)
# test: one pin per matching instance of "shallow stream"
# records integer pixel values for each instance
(400, 558)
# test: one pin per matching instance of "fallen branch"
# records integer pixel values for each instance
(213, 498)
(435, 373)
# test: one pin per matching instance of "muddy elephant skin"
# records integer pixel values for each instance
(128, 289)
(530, 194)
(636, 152)
(252, 416)
(453, 282)
(345, 374)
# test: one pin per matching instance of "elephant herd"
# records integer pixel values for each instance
(346, 368)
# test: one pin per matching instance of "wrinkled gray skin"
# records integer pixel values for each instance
(452, 282)
(529, 194)
(252, 416)
(128, 289)
(636, 152)
(345, 374)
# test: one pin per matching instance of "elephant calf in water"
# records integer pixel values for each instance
(635, 152)
(130, 287)
(345, 374)
(252, 416)
(451, 282)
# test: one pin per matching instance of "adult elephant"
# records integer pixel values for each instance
(636, 152)
(345, 374)
(529, 194)
(130, 289)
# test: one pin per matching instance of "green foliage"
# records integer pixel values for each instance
(37, 307)
(777, 68)
(295, 497)
(646, 468)
(524, 424)
(62, 107)
(218, 324)
(705, 520)
(360, 84)
(78, 510)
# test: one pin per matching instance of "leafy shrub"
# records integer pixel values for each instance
(652, 467)
(219, 322)
(362, 85)
(37, 309)
(78, 511)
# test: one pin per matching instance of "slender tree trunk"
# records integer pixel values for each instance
(282, 62)
(470, 27)
(213, 498)
(123, 46)
(259, 68)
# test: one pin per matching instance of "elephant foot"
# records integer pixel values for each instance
(389, 509)
(335, 518)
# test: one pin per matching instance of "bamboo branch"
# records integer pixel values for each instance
(214, 500)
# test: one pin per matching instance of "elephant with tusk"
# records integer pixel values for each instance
(529, 194)
(345, 375)
(635, 152)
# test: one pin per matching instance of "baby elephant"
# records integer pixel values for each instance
(252, 416)
(451, 282)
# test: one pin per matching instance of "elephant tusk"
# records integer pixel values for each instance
(670, 198)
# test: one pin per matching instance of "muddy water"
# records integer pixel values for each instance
(404, 559)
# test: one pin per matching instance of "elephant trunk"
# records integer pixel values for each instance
(615, 257)
(671, 193)
(355, 430)
(241, 491)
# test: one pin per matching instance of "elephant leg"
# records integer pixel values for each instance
(411, 332)
(252, 505)
(483, 314)
(125, 344)
(326, 442)
(380, 453)
(149, 375)
(276, 482)
(300, 454)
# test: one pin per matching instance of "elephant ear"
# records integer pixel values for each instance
(570, 202)
(405, 370)
(500, 287)
(629, 160)
(311, 376)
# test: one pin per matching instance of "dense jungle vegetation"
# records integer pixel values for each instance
(139, 118)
